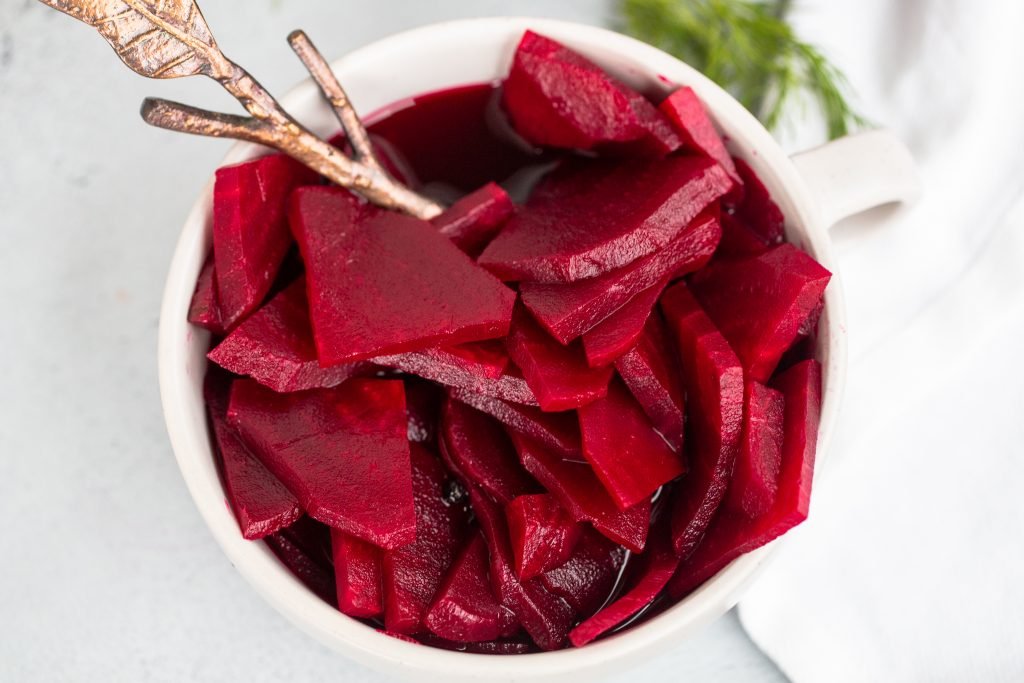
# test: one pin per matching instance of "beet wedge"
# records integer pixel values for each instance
(357, 576)
(558, 375)
(275, 347)
(581, 494)
(619, 332)
(556, 97)
(545, 616)
(304, 548)
(587, 219)
(629, 457)
(382, 283)
(734, 534)
(250, 229)
(557, 431)
(465, 609)
(570, 310)
(686, 113)
(412, 573)
(542, 534)
(761, 303)
(204, 310)
(651, 371)
(738, 241)
(473, 221)
(477, 448)
(755, 475)
(261, 503)
(343, 453)
(758, 210)
(713, 378)
(586, 580)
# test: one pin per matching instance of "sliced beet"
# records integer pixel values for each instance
(558, 98)
(586, 580)
(304, 548)
(558, 375)
(659, 563)
(357, 575)
(480, 451)
(629, 457)
(261, 503)
(758, 210)
(465, 608)
(275, 347)
(738, 241)
(755, 475)
(618, 333)
(545, 616)
(587, 219)
(204, 310)
(581, 494)
(713, 378)
(760, 303)
(651, 371)
(557, 431)
(543, 535)
(734, 534)
(343, 452)
(250, 229)
(687, 114)
(381, 282)
(570, 310)
(413, 573)
(473, 221)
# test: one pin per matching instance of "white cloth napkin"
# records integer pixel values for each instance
(911, 566)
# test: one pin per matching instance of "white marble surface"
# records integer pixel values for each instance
(107, 572)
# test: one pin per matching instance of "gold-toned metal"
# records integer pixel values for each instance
(171, 39)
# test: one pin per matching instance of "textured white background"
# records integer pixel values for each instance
(106, 570)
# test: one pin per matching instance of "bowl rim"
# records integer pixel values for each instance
(186, 423)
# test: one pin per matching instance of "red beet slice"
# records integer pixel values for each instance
(250, 229)
(413, 573)
(755, 475)
(659, 564)
(618, 333)
(262, 504)
(473, 221)
(545, 616)
(465, 608)
(757, 210)
(738, 240)
(557, 431)
(581, 494)
(343, 453)
(713, 378)
(558, 98)
(651, 371)
(479, 450)
(569, 310)
(628, 456)
(734, 534)
(558, 375)
(687, 114)
(304, 548)
(204, 310)
(590, 218)
(357, 576)
(382, 283)
(590, 574)
(478, 367)
(760, 303)
(543, 535)
(275, 347)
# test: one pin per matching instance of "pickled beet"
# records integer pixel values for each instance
(755, 475)
(758, 211)
(557, 431)
(558, 98)
(204, 309)
(713, 379)
(381, 283)
(618, 333)
(542, 534)
(586, 580)
(343, 453)
(738, 240)
(473, 221)
(587, 219)
(687, 114)
(304, 549)
(357, 575)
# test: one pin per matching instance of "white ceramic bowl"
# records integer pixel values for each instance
(837, 180)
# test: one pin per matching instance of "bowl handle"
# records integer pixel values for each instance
(859, 172)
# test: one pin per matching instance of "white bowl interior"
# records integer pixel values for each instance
(423, 60)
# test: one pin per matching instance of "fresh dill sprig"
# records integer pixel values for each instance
(748, 48)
